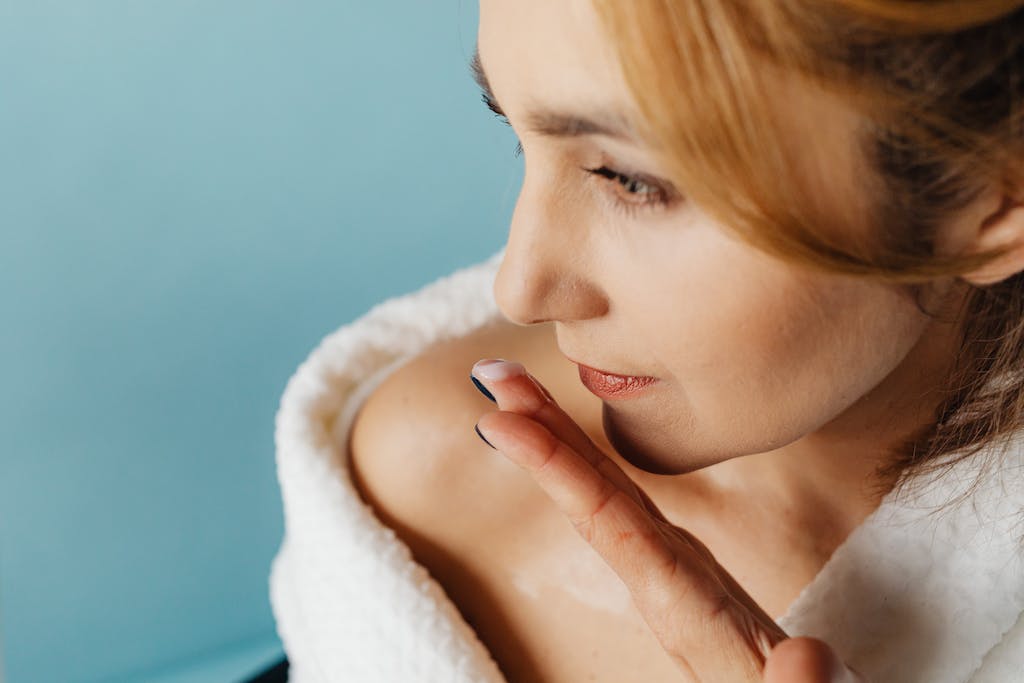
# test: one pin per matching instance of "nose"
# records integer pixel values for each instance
(547, 272)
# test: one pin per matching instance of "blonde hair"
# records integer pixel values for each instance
(938, 88)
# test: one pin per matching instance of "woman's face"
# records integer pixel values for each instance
(752, 353)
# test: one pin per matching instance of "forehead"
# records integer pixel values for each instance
(550, 53)
(555, 54)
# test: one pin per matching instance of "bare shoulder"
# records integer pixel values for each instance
(498, 547)
(415, 457)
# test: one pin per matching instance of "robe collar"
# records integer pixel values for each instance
(927, 584)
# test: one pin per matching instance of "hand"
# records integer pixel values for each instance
(705, 621)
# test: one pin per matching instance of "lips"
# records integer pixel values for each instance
(611, 385)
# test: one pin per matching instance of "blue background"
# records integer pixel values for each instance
(192, 194)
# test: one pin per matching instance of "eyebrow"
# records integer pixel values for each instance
(551, 123)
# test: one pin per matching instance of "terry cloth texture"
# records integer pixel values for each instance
(909, 597)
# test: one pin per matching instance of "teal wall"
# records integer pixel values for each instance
(192, 194)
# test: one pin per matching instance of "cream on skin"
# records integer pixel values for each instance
(811, 374)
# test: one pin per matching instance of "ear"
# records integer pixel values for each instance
(1001, 229)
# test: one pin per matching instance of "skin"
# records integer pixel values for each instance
(767, 359)
(778, 384)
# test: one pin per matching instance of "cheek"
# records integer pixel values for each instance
(756, 354)
(798, 358)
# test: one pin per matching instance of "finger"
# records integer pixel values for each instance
(608, 518)
(806, 660)
(673, 578)
(515, 390)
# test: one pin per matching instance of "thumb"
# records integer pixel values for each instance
(807, 660)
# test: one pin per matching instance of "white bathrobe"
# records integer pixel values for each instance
(907, 598)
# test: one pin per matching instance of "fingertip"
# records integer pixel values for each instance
(519, 437)
(480, 434)
(805, 660)
(508, 384)
(496, 369)
(498, 425)
(483, 390)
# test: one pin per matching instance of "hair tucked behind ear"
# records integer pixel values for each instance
(939, 86)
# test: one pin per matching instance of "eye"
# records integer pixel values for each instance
(630, 193)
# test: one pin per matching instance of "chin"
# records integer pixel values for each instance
(644, 456)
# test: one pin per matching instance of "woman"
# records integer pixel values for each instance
(764, 270)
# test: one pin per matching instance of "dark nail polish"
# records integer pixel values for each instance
(483, 389)
(482, 437)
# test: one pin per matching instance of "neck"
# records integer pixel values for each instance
(829, 476)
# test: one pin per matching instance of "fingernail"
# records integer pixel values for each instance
(483, 437)
(497, 369)
(483, 389)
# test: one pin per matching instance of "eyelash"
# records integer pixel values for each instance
(656, 198)
(504, 119)
(663, 197)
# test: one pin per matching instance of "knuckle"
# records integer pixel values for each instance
(608, 493)
(548, 456)
(537, 410)
(587, 523)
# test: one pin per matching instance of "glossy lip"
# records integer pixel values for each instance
(611, 385)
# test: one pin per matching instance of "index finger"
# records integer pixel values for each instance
(609, 518)
(520, 392)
